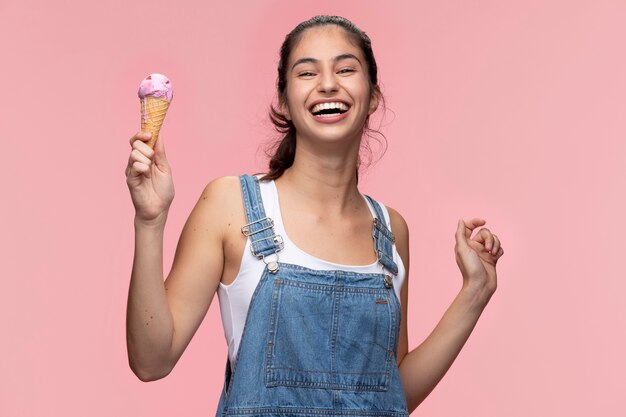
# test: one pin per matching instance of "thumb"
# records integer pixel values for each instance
(461, 239)
(159, 152)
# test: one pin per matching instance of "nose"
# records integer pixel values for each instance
(327, 82)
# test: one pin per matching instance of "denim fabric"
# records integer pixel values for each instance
(259, 228)
(383, 239)
(316, 343)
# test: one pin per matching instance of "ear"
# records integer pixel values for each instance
(284, 108)
(374, 100)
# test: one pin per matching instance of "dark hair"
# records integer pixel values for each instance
(285, 149)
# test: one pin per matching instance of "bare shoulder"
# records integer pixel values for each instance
(223, 189)
(207, 223)
(220, 199)
(400, 230)
(399, 226)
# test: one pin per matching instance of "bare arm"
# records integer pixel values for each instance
(422, 368)
(162, 317)
(149, 322)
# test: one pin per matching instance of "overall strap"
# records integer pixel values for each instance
(383, 238)
(260, 228)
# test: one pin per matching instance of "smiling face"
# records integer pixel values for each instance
(328, 92)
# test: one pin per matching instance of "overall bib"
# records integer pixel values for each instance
(315, 343)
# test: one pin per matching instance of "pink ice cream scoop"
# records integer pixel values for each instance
(156, 85)
(155, 94)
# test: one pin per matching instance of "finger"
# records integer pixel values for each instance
(496, 244)
(484, 237)
(143, 148)
(135, 155)
(129, 166)
(142, 136)
(495, 256)
(139, 168)
(472, 224)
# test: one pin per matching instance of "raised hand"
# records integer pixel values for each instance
(477, 256)
(149, 179)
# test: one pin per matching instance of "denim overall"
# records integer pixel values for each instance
(315, 343)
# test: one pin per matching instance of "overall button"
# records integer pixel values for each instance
(272, 266)
(388, 281)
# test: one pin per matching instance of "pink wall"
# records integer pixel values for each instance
(513, 111)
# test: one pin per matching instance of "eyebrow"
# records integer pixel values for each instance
(338, 58)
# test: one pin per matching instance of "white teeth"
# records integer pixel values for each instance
(332, 105)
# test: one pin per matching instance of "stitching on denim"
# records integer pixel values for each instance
(325, 288)
(329, 385)
(241, 411)
(321, 371)
(273, 323)
(334, 331)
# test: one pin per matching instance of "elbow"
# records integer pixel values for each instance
(147, 365)
(149, 377)
(149, 374)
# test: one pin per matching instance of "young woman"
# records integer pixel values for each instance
(314, 309)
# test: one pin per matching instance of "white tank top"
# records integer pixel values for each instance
(235, 297)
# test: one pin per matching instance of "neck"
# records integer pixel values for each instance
(324, 178)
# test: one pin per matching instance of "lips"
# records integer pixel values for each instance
(329, 111)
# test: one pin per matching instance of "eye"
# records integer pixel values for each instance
(306, 74)
(345, 70)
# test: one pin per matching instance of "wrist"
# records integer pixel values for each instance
(477, 295)
(157, 223)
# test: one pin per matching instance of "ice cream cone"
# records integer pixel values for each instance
(153, 111)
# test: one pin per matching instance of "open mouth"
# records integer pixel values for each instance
(329, 109)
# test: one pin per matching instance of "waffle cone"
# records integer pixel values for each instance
(153, 111)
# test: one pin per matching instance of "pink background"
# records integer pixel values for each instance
(513, 111)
